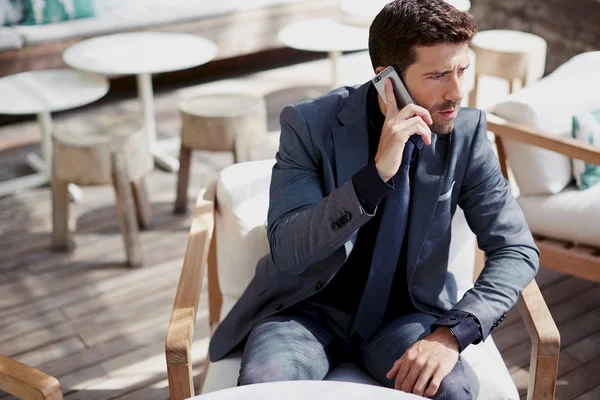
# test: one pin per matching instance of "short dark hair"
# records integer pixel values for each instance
(403, 24)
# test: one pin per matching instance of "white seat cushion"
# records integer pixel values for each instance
(568, 215)
(10, 39)
(548, 106)
(495, 382)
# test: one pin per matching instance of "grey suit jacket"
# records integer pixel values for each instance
(314, 216)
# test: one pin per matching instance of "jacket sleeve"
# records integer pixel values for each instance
(512, 258)
(304, 225)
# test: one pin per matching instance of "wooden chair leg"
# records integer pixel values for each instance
(60, 214)
(183, 179)
(473, 94)
(215, 296)
(126, 209)
(142, 205)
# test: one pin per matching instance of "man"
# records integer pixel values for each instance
(362, 199)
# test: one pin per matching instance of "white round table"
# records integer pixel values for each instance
(142, 54)
(44, 92)
(313, 390)
(325, 35)
(362, 12)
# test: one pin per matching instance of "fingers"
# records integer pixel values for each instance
(402, 373)
(422, 382)
(412, 110)
(434, 385)
(416, 125)
(415, 372)
(391, 105)
(394, 371)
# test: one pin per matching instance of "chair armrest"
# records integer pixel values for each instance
(545, 340)
(27, 383)
(183, 317)
(567, 146)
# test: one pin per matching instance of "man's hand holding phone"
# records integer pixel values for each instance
(399, 125)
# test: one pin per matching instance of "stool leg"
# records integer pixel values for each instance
(142, 205)
(126, 209)
(473, 94)
(183, 179)
(60, 214)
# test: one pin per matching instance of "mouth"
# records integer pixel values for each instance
(449, 114)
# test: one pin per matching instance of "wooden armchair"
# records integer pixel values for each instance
(563, 256)
(201, 251)
(27, 383)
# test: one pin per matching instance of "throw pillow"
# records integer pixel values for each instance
(40, 12)
(586, 127)
(11, 12)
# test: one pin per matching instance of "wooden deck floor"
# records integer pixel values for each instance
(98, 326)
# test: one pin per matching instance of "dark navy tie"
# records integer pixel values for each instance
(386, 253)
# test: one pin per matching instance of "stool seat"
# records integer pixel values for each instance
(518, 57)
(232, 122)
(104, 150)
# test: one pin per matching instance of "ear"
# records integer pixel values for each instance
(379, 69)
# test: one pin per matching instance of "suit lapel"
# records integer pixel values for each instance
(351, 139)
(429, 179)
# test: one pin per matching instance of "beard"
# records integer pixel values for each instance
(440, 125)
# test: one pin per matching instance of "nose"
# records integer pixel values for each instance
(454, 90)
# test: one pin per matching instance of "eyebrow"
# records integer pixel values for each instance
(435, 73)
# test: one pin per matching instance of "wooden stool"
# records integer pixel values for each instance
(511, 55)
(218, 122)
(105, 150)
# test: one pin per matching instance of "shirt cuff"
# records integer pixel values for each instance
(370, 188)
(465, 327)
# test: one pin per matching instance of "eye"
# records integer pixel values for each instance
(437, 77)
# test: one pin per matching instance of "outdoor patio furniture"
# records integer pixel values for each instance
(232, 122)
(325, 35)
(518, 57)
(533, 129)
(143, 54)
(235, 209)
(105, 150)
(27, 383)
(42, 93)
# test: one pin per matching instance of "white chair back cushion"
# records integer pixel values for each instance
(548, 106)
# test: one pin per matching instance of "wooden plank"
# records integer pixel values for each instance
(578, 381)
(561, 313)
(593, 394)
(52, 352)
(558, 292)
(127, 313)
(87, 292)
(570, 333)
(586, 349)
(131, 371)
(21, 326)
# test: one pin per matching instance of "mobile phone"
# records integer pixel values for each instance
(400, 92)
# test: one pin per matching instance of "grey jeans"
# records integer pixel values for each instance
(306, 345)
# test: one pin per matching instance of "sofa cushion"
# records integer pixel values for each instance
(10, 39)
(41, 12)
(495, 382)
(586, 127)
(11, 12)
(569, 215)
(547, 106)
(120, 16)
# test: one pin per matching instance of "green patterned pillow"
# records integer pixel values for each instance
(586, 127)
(11, 12)
(40, 12)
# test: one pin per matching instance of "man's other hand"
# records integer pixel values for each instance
(422, 367)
